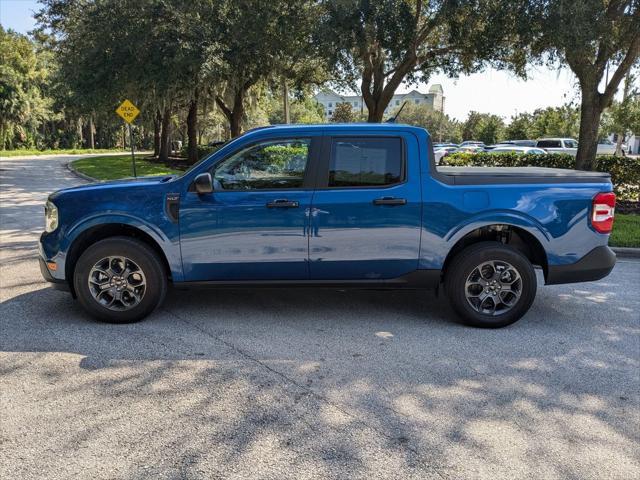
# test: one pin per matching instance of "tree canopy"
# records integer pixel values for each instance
(204, 70)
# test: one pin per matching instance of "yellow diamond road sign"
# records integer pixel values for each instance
(128, 111)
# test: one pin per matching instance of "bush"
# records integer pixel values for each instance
(625, 171)
(203, 150)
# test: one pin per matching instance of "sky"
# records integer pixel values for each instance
(490, 91)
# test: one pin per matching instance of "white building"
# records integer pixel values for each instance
(329, 99)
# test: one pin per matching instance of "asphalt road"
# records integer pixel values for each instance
(308, 384)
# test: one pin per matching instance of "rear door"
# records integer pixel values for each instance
(364, 221)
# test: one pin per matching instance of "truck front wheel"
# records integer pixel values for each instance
(490, 284)
(120, 280)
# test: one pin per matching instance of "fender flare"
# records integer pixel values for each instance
(170, 249)
(507, 217)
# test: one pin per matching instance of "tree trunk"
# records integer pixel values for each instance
(619, 141)
(376, 94)
(79, 130)
(192, 130)
(92, 131)
(590, 112)
(235, 115)
(165, 135)
(376, 112)
(157, 126)
(625, 99)
(285, 101)
(204, 118)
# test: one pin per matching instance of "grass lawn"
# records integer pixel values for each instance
(68, 151)
(626, 231)
(119, 166)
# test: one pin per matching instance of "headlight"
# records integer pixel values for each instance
(50, 217)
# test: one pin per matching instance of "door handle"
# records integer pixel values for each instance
(390, 201)
(283, 203)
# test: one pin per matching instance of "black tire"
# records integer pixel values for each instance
(465, 264)
(144, 257)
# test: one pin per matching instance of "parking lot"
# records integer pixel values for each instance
(250, 383)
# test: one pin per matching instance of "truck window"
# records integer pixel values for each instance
(366, 162)
(549, 144)
(570, 144)
(267, 165)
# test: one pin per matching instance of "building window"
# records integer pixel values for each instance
(417, 101)
(397, 102)
(330, 104)
(330, 112)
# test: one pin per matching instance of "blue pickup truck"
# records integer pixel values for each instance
(339, 206)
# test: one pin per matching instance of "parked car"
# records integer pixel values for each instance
(351, 205)
(517, 149)
(471, 148)
(443, 145)
(607, 147)
(519, 143)
(522, 143)
(441, 152)
(558, 145)
(471, 142)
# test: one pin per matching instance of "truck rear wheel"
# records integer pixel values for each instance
(490, 284)
(120, 280)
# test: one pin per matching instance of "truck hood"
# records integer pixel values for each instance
(115, 185)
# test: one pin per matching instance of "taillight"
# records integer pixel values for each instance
(603, 208)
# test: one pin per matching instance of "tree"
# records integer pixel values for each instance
(343, 113)
(23, 107)
(563, 121)
(519, 127)
(470, 125)
(591, 37)
(302, 110)
(385, 43)
(483, 127)
(624, 116)
(439, 125)
(251, 48)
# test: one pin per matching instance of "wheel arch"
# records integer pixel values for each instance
(95, 233)
(516, 236)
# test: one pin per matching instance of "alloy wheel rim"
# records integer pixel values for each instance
(493, 287)
(117, 283)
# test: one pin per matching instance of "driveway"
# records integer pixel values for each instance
(308, 384)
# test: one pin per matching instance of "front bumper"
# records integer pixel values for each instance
(595, 265)
(56, 283)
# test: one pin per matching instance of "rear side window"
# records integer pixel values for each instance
(549, 144)
(366, 162)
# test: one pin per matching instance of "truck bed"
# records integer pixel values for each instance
(525, 175)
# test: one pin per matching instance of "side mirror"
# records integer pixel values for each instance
(203, 183)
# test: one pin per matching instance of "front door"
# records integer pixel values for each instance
(365, 217)
(253, 226)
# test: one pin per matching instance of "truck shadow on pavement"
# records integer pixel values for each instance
(329, 384)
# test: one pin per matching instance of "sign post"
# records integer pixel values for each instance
(128, 112)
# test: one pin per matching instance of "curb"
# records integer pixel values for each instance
(626, 252)
(78, 174)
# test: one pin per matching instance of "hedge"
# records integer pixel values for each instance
(203, 150)
(625, 171)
